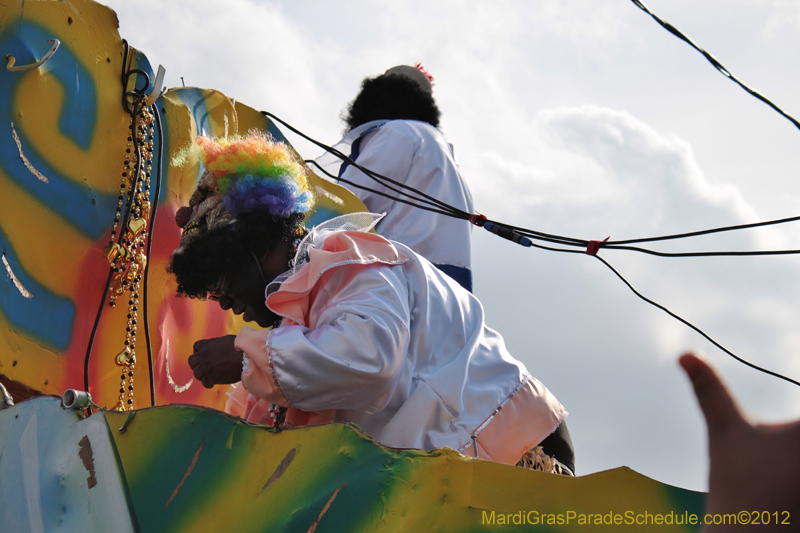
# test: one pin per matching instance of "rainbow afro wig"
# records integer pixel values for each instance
(243, 174)
(255, 173)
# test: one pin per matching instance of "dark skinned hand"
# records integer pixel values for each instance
(216, 361)
(754, 466)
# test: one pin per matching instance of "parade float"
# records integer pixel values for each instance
(87, 225)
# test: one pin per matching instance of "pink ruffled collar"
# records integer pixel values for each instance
(337, 250)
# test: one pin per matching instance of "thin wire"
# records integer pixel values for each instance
(124, 224)
(564, 250)
(698, 330)
(522, 236)
(707, 232)
(456, 213)
(131, 108)
(568, 241)
(614, 245)
(605, 246)
(125, 78)
(94, 330)
(153, 212)
(711, 59)
(571, 241)
(546, 237)
(396, 198)
(365, 188)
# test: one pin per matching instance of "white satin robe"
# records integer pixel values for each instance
(376, 335)
(418, 155)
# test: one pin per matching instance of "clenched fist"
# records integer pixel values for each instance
(216, 361)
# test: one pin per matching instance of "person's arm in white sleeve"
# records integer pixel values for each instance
(354, 356)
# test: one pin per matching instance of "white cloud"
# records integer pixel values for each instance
(250, 51)
(623, 175)
(593, 172)
(785, 16)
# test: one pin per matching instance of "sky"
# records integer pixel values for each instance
(582, 118)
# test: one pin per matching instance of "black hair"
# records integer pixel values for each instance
(227, 251)
(391, 96)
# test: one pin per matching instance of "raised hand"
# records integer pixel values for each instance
(754, 467)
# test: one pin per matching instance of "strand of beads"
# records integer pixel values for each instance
(128, 259)
(113, 251)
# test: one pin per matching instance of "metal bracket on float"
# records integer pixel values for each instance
(22, 68)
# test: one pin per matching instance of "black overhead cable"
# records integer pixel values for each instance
(713, 60)
(701, 254)
(516, 233)
(708, 231)
(616, 245)
(521, 235)
(383, 180)
(698, 330)
(525, 237)
(368, 189)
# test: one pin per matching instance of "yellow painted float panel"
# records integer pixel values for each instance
(63, 141)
